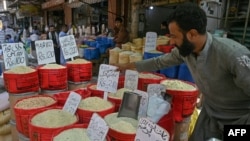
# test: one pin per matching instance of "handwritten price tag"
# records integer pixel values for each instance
(68, 45)
(45, 51)
(14, 55)
(131, 79)
(143, 104)
(149, 131)
(150, 43)
(107, 78)
(155, 89)
(72, 102)
(97, 129)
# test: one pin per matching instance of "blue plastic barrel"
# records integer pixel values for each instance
(102, 46)
(91, 53)
(148, 55)
(184, 73)
(170, 72)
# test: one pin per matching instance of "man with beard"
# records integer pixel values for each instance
(220, 68)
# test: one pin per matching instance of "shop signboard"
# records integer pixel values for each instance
(68, 46)
(97, 129)
(149, 131)
(52, 3)
(107, 79)
(14, 55)
(45, 51)
(150, 43)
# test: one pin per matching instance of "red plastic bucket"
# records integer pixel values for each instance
(143, 82)
(184, 101)
(23, 115)
(53, 79)
(72, 127)
(85, 115)
(165, 48)
(119, 136)
(51, 92)
(116, 101)
(121, 81)
(167, 122)
(21, 83)
(94, 91)
(41, 133)
(79, 72)
(62, 97)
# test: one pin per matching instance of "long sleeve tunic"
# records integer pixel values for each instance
(222, 73)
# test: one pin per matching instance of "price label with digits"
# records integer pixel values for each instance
(155, 89)
(131, 79)
(13, 55)
(68, 45)
(97, 128)
(150, 43)
(107, 78)
(45, 51)
(149, 131)
(72, 102)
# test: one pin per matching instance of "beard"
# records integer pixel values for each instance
(186, 48)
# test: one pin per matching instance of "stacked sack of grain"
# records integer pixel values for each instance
(124, 57)
(114, 55)
(126, 46)
(137, 45)
(162, 40)
(135, 57)
(5, 127)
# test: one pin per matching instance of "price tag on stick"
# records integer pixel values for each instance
(45, 51)
(72, 102)
(150, 43)
(14, 55)
(97, 128)
(149, 131)
(107, 79)
(131, 79)
(68, 45)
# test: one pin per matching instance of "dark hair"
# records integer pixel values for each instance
(118, 19)
(64, 26)
(189, 16)
(51, 25)
(164, 23)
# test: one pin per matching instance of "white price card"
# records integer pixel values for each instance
(131, 79)
(107, 78)
(68, 45)
(155, 89)
(150, 43)
(149, 131)
(45, 51)
(97, 129)
(72, 102)
(143, 104)
(13, 55)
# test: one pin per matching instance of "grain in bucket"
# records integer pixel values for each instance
(53, 77)
(79, 70)
(13, 98)
(91, 105)
(44, 123)
(184, 95)
(25, 107)
(77, 132)
(18, 80)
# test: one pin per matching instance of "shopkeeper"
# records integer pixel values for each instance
(121, 35)
(219, 66)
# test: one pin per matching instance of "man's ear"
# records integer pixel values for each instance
(192, 34)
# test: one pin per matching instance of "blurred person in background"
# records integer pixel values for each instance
(121, 35)
(52, 35)
(63, 32)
